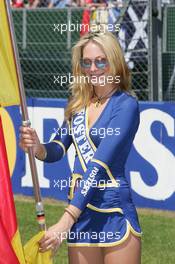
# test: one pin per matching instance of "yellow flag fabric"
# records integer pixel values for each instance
(32, 254)
(18, 248)
(9, 90)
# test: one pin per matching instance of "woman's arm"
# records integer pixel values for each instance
(58, 147)
(48, 152)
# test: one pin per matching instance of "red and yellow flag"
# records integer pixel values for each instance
(11, 250)
(9, 92)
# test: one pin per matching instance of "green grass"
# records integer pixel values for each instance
(158, 230)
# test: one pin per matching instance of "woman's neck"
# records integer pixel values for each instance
(101, 91)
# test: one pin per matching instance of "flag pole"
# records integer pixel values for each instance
(26, 122)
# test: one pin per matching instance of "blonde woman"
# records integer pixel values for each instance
(101, 120)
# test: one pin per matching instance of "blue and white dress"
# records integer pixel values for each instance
(99, 187)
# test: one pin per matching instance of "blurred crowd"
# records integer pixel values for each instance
(96, 12)
(64, 3)
(73, 3)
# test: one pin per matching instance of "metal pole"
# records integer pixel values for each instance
(69, 21)
(39, 206)
(159, 51)
(24, 29)
(156, 50)
(150, 53)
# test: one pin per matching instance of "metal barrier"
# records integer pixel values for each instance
(168, 56)
(45, 52)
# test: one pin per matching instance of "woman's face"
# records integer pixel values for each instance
(95, 64)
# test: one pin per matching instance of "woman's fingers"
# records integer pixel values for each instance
(28, 138)
(45, 245)
(24, 129)
(27, 141)
(27, 135)
(51, 242)
(27, 132)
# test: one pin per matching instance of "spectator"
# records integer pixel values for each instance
(99, 15)
(94, 15)
(86, 16)
(38, 3)
(59, 3)
(17, 3)
(114, 8)
(75, 3)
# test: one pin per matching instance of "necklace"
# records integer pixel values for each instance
(100, 98)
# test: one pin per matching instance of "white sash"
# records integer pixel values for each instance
(84, 145)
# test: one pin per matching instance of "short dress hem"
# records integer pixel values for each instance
(129, 230)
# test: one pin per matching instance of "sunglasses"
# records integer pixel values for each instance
(100, 63)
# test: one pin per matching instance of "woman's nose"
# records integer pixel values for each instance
(93, 67)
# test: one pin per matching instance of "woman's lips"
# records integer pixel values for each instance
(96, 75)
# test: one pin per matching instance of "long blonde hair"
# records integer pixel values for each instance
(81, 92)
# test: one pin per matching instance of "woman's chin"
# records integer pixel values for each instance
(98, 82)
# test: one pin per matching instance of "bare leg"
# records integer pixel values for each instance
(129, 252)
(85, 255)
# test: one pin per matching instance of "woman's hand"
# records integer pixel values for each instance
(29, 138)
(55, 235)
